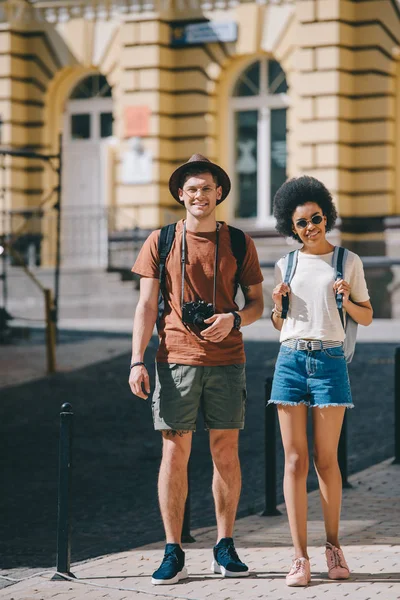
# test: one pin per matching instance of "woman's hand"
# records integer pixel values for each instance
(282, 289)
(342, 287)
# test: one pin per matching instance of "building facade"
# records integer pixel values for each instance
(132, 88)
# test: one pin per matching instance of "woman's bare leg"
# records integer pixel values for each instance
(293, 424)
(327, 424)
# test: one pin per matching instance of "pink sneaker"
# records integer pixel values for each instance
(299, 573)
(337, 565)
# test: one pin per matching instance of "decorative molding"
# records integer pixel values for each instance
(60, 11)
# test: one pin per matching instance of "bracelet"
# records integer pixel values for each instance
(137, 364)
(277, 312)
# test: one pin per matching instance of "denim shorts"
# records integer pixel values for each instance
(181, 390)
(315, 378)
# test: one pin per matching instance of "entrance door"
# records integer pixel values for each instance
(87, 122)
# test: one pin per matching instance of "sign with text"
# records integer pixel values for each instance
(136, 121)
(204, 33)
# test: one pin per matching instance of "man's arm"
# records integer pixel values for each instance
(143, 326)
(221, 324)
(254, 304)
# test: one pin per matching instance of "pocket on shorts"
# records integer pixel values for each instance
(169, 371)
(236, 379)
(335, 353)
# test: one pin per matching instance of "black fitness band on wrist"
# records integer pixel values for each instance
(137, 364)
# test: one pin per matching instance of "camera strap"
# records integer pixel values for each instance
(183, 264)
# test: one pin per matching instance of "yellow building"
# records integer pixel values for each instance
(268, 89)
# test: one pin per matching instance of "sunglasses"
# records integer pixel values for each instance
(315, 220)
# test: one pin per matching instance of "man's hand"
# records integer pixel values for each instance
(220, 326)
(139, 380)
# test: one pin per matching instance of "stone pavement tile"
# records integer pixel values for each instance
(370, 535)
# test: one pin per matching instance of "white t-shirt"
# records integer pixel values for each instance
(313, 313)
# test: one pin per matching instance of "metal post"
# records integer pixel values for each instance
(270, 454)
(64, 494)
(58, 237)
(187, 537)
(4, 254)
(397, 407)
(50, 332)
(342, 453)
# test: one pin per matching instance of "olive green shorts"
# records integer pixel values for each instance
(181, 390)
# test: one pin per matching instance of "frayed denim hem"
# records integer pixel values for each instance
(342, 404)
(285, 403)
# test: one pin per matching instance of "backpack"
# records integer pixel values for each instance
(338, 263)
(167, 235)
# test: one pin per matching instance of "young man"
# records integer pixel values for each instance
(199, 364)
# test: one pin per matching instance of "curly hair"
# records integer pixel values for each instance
(296, 192)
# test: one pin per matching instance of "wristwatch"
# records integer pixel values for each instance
(237, 320)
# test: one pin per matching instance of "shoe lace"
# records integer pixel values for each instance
(298, 567)
(229, 552)
(335, 558)
(170, 558)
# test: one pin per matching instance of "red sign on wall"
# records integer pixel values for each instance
(136, 121)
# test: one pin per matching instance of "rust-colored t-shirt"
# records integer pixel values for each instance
(181, 343)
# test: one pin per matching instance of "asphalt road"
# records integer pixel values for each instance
(116, 454)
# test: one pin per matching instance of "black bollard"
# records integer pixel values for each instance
(187, 537)
(342, 453)
(270, 454)
(64, 494)
(397, 407)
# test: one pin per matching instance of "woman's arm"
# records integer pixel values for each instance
(360, 312)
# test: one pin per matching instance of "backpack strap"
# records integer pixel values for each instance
(338, 263)
(238, 246)
(290, 265)
(167, 235)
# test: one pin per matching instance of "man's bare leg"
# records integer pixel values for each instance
(227, 480)
(173, 483)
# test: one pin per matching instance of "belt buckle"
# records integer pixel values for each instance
(309, 345)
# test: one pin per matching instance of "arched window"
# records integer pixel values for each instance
(94, 86)
(88, 95)
(259, 102)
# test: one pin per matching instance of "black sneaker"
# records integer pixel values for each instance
(172, 568)
(226, 560)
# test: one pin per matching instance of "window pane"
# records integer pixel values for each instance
(106, 125)
(246, 162)
(249, 81)
(278, 150)
(92, 86)
(276, 78)
(80, 127)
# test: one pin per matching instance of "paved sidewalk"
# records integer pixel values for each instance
(369, 534)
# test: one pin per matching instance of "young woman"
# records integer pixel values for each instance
(313, 374)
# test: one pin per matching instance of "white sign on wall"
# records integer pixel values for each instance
(204, 33)
(137, 163)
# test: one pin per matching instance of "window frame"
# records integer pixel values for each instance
(263, 103)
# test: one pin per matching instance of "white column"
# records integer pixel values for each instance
(263, 166)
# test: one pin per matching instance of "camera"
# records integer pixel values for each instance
(194, 313)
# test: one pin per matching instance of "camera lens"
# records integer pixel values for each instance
(198, 319)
